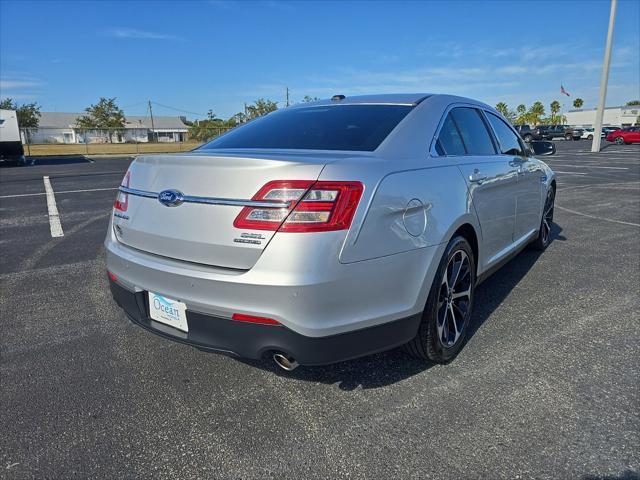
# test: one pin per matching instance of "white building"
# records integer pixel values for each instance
(59, 127)
(613, 116)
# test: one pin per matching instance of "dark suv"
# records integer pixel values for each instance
(525, 132)
(550, 132)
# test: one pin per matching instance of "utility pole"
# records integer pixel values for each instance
(153, 127)
(604, 80)
(287, 96)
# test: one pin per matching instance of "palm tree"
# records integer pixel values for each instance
(578, 102)
(502, 108)
(521, 110)
(555, 108)
(535, 112)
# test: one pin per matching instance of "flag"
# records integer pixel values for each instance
(563, 91)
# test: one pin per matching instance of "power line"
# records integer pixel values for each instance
(134, 104)
(179, 109)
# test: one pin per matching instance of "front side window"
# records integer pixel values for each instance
(507, 140)
(475, 135)
(328, 127)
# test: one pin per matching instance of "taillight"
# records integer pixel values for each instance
(122, 200)
(313, 206)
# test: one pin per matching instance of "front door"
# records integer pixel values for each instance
(529, 187)
(491, 179)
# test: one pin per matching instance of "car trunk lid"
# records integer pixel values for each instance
(199, 232)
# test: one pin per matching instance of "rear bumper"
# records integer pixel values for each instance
(255, 341)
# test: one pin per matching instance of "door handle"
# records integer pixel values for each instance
(477, 177)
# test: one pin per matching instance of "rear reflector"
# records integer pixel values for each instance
(252, 319)
(111, 276)
(122, 200)
(314, 207)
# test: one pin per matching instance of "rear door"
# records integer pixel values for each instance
(491, 178)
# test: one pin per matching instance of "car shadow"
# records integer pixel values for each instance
(387, 368)
(607, 145)
(626, 475)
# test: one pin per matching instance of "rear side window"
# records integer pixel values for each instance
(449, 140)
(331, 127)
(473, 130)
(507, 140)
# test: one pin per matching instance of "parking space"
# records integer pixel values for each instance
(547, 386)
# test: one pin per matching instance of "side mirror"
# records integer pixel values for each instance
(542, 147)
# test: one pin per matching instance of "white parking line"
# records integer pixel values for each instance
(597, 217)
(54, 217)
(59, 193)
(571, 173)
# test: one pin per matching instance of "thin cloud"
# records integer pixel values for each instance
(20, 87)
(131, 33)
(10, 84)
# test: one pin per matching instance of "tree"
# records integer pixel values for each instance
(260, 107)
(104, 115)
(521, 110)
(555, 108)
(237, 119)
(308, 99)
(211, 115)
(535, 113)
(204, 130)
(578, 102)
(502, 108)
(632, 103)
(28, 113)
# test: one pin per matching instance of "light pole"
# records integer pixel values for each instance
(597, 127)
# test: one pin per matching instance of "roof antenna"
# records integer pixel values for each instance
(337, 98)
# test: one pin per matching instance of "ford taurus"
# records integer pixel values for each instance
(329, 230)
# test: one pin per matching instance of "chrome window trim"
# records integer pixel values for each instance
(485, 112)
(210, 200)
(433, 153)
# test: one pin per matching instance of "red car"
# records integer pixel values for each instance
(625, 135)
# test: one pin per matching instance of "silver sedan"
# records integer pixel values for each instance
(329, 230)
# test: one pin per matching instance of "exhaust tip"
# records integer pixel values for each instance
(284, 362)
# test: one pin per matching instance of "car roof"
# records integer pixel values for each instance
(382, 99)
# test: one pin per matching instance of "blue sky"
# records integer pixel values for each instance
(203, 55)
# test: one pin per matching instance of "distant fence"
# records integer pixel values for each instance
(77, 141)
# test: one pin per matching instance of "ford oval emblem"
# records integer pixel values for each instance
(171, 198)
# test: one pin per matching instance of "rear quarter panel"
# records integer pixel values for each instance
(409, 210)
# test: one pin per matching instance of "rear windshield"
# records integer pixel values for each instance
(332, 127)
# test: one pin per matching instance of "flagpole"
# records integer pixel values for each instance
(597, 127)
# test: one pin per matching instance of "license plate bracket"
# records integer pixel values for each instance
(168, 311)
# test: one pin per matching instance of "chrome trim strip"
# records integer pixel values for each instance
(210, 200)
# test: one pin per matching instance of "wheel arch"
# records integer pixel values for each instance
(467, 231)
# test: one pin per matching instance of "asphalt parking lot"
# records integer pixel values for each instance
(547, 387)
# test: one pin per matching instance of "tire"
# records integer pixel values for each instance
(435, 340)
(528, 138)
(546, 222)
(619, 141)
(568, 136)
(589, 137)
